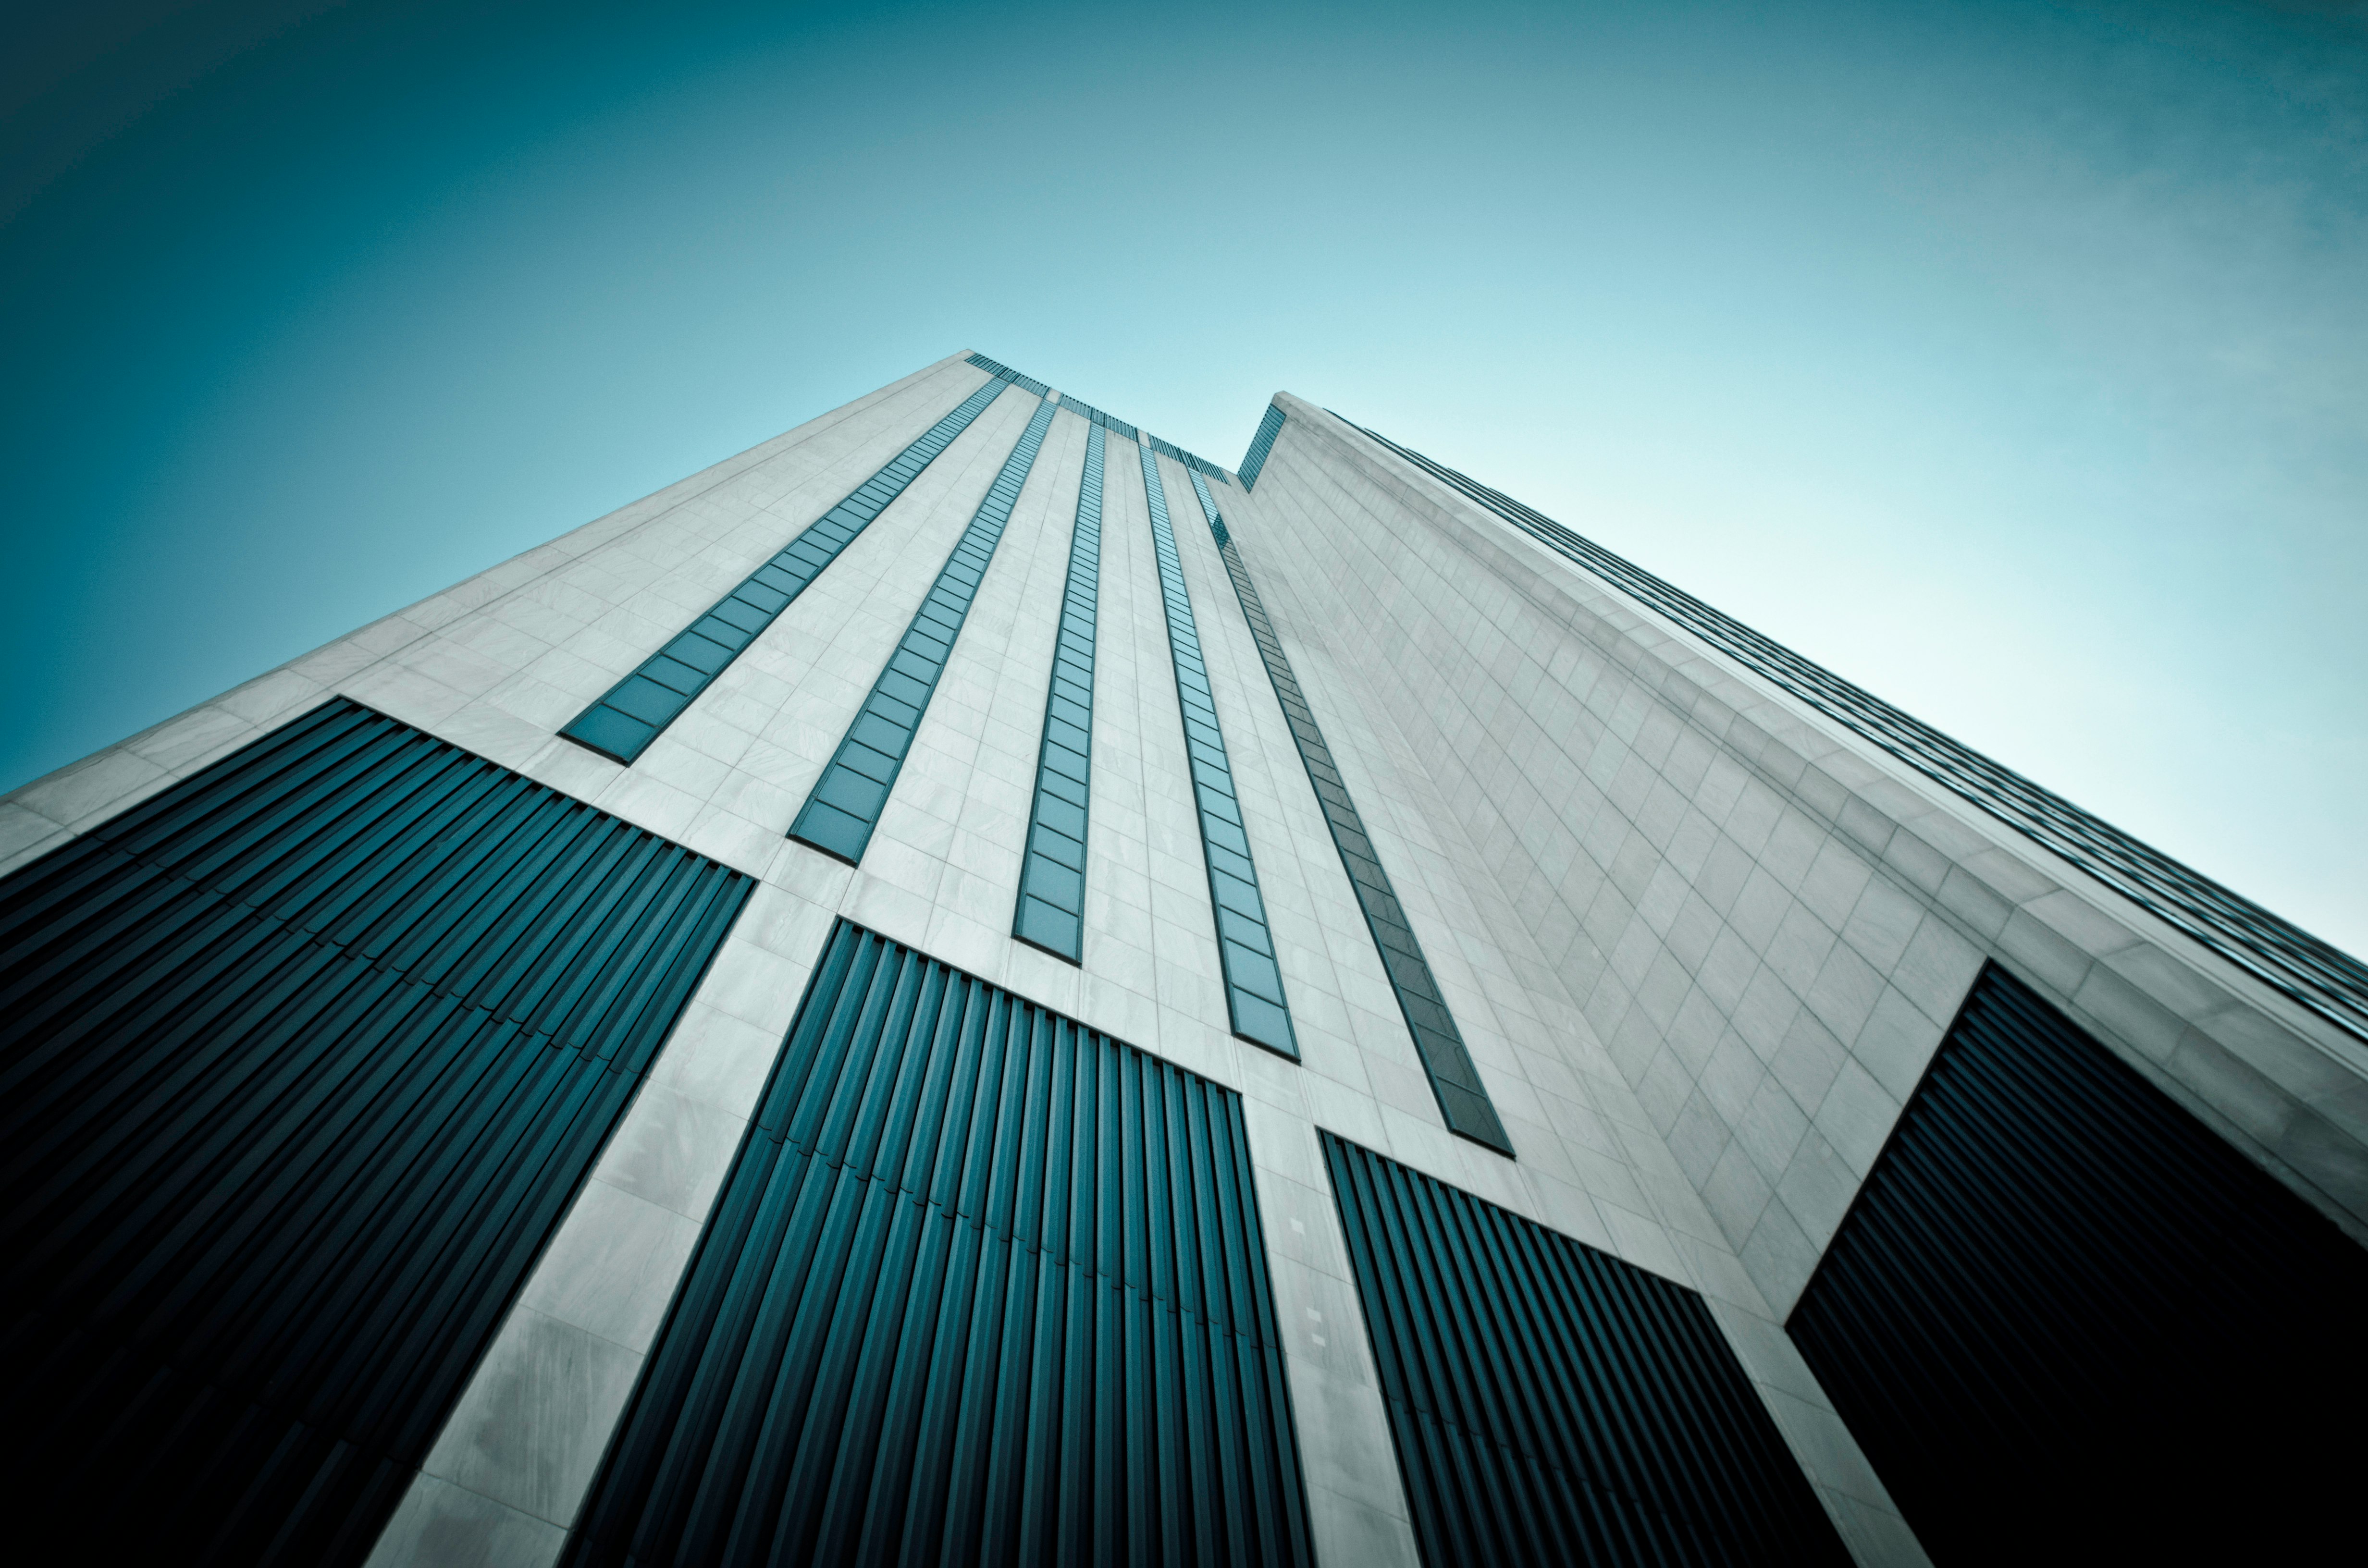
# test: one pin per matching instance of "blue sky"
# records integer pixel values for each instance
(2010, 359)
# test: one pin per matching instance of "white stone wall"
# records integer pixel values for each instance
(1765, 922)
(1700, 944)
(1714, 869)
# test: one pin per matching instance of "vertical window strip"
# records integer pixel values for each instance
(1464, 1100)
(1254, 461)
(637, 709)
(1052, 908)
(1244, 944)
(838, 817)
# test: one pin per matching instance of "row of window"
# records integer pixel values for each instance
(1005, 372)
(1051, 913)
(1198, 465)
(1244, 944)
(1087, 411)
(1254, 461)
(638, 708)
(1454, 1078)
(845, 807)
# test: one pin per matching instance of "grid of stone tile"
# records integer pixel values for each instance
(512, 1464)
(514, 1461)
(623, 596)
(1691, 1247)
(1681, 1241)
(512, 1471)
(1346, 1443)
(2288, 1088)
(1598, 1169)
(726, 777)
(1696, 916)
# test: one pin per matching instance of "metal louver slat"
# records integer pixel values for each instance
(303, 1060)
(1550, 1404)
(982, 1286)
(2063, 1310)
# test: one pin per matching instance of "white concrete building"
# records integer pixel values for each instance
(1105, 1007)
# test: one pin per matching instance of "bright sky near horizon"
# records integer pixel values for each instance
(2010, 359)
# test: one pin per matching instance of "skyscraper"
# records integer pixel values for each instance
(970, 985)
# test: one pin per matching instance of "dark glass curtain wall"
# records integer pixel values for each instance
(983, 1286)
(300, 1061)
(1553, 1404)
(2067, 1321)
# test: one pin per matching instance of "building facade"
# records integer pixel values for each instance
(970, 986)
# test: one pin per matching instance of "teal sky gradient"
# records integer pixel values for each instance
(2010, 359)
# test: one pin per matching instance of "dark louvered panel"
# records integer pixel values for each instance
(982, 1286)
(1552, 1404)
(303, 1060)
(2064, 1318)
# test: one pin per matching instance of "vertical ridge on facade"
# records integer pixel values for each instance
(1050, 909)
(1463, 1102)
(303, 1059)
(845, 806)
(982, 1286)
(1550, 1404)
(637, 709)
(1261, 444)
(2058, 1288)
(1244, 944)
